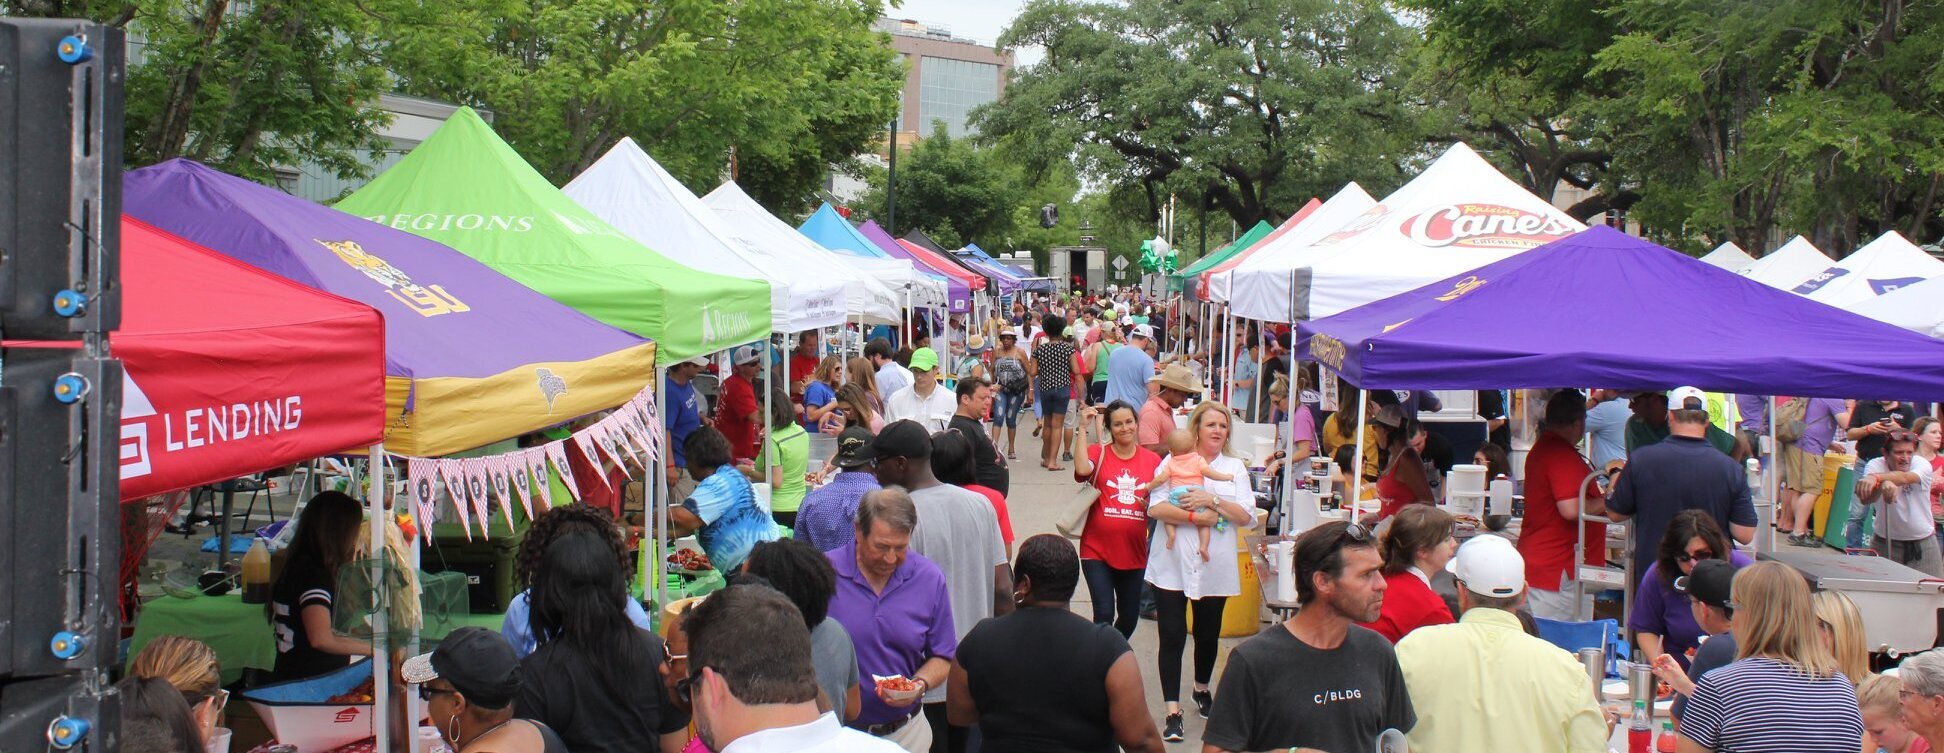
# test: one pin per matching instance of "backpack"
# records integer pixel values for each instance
(1788, 419)
(1010, 374)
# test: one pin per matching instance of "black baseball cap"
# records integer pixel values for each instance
(853, 448)
(1711, 583)
(902, 439)
(478, 662)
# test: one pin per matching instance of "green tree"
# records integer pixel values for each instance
(952, 189)
(1256, 105)
(1510, 77)
(246, 87)
(787, 87)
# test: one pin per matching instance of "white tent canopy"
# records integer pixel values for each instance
(1788, 266)
(1260, 287)
(1918, 307)
(628, 190)
(881, 277)
(1885, 264)
(1729, 256)
(1459, 214)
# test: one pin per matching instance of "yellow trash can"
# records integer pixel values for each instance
(1242, 614)
(1833, 464)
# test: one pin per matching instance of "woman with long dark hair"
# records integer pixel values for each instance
(302, 599)
(1403, 481)
(1114, 543)
(1661, 618)
(551, 526)
(596, 677)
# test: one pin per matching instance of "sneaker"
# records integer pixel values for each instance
(1204, 702)
(1171, 731)
(1804, 539)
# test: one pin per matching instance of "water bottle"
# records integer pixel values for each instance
(1666, 742)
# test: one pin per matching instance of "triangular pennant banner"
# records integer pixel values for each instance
(478, 490)
(455, 480)
(536, 462)
(557, 452)
(604, 436)
(502, 485)
(424, 490)
(581, 440)
(522, 474)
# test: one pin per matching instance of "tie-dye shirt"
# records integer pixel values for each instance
(732, 524)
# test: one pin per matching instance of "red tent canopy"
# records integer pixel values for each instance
(232, 370)
(942, 265)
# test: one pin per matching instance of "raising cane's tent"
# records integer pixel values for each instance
(1729, 256)
(1604, 308)
(1788, 266)
(471, 357)
(830, 230)
(467, 189)
(230, 370)
(1459, 214)
(1885, 264)
(1918, 307)
(1262, 287)
(632, 192)
(881, 283)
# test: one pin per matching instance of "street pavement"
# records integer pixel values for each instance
(1035, 498)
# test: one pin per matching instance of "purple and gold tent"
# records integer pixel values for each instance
(1604, 309)
(471, 356)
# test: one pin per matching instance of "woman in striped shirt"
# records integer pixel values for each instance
(1785, 691)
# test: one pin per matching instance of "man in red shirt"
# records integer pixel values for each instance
(738, 415)
(803, 362)
(1173, 386)
(1554, 470)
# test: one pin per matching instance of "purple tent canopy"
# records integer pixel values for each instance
(956, 290)
(470, 354)
(1604, 309)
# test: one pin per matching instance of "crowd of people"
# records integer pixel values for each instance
(896, 559)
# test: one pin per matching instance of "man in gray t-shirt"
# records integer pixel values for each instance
(957, 529)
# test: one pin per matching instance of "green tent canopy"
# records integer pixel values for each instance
(467, 189)
(1177, 280)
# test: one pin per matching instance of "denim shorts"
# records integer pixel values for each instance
(1054, 402)
(1006, 407)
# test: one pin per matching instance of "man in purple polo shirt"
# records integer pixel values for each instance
(895, 606)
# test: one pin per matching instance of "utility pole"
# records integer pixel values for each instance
(891, 186)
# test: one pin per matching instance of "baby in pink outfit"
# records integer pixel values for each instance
(1183, 472)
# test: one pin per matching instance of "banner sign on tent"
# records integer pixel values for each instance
(629, 438)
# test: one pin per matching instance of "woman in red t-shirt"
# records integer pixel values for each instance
(1114, 545)
(1416, 546)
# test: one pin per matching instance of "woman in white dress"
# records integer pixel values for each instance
(1181, 579)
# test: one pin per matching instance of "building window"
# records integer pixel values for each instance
(948, 90)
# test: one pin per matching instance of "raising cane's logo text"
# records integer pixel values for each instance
(1483, 226)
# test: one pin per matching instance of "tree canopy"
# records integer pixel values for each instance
(1258, 106)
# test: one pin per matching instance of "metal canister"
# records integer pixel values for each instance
(1640, 682)
(1594, 660)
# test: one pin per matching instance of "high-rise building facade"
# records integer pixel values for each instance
(946, 77)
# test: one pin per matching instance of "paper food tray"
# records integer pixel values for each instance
(299, 712)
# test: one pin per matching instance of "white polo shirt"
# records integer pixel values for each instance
(824, 735)
(934, 412)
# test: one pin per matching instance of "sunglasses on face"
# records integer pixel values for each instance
(425, 692)
(684, 687)
(1695, 556)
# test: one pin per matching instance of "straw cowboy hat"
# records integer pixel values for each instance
(1178, 377)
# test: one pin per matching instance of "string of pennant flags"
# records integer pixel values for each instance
(629, 438)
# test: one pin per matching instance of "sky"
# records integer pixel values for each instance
(978, 20)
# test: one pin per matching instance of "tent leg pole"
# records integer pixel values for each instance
(1356, 474)
(1288, 428)
(1771, 482)
(380, 654)
(659, 502)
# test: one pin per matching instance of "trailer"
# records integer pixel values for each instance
(1090, 262)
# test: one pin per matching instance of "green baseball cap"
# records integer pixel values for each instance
(924, 359)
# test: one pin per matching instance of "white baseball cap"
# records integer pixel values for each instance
(1144, 331)
(1489, 566)
(1687, 398)
(696, 361)
(746, 354)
